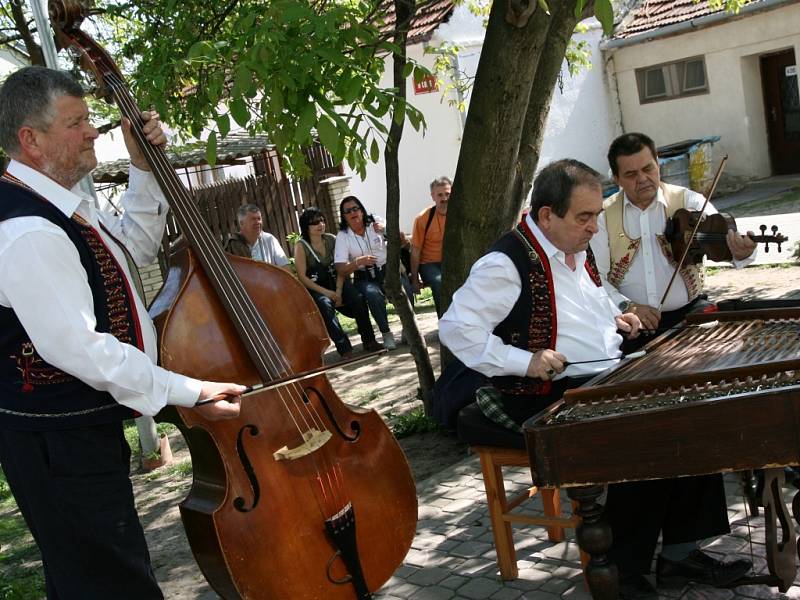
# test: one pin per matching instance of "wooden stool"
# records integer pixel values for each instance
(501, 508)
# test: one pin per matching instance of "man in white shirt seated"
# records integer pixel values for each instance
(253, 242)
(77, 348)
(634, 258)
(532, 308)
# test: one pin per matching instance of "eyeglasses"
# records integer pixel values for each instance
(352, 209)
(316, 221)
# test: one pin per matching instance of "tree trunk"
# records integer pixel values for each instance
(404, 9)
(510, 99)
(25, 34)
(550, 63)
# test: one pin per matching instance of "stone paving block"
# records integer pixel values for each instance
(707, 593)
(403, 571)
(538, 595)
(760, 592)
(577, 592)
(432, 558)
(556, 585)
(479, 588)
(469, 533)
(567, 572)
(563, 551)
(400, 589)
(459, 506)
(454, 582)
(506, 593)
(529, 578)
(434, 593)
(476, 567)
(429, 576)
(470, 549)
(428, 540)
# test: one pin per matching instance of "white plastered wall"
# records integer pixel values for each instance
(734, 106)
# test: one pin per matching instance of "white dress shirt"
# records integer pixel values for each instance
(43, 281)
(350, 245)
(586, 328)
(268, 249)
(649, 272)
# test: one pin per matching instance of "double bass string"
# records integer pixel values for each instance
(237, 296)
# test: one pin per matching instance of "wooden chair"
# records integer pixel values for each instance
(494, 456)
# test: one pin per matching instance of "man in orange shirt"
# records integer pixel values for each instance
(426, 241)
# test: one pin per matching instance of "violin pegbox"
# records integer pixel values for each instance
(765, 239)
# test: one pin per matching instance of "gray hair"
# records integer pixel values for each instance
(26, 100)
(245, 210)
(441, 181)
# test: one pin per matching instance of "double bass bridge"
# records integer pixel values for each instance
(313, 440)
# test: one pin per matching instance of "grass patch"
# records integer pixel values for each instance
(414, 421)
(182, 470)
(132, 435)
(21, 576)
(423, 304)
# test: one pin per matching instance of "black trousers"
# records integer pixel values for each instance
(74, 491)
(681, 510)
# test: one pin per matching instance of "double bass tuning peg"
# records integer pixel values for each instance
(763, 229)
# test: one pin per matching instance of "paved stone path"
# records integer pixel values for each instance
(453, 557)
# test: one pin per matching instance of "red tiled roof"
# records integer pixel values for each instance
(654, 14)
(428, 17)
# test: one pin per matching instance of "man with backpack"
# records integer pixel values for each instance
(426, 242)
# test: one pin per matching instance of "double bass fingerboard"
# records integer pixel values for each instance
(695, 364)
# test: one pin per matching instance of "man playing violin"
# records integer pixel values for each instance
(633, 256)
(77, 348)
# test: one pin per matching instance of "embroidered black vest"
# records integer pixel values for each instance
(35, 395)
(532, 322)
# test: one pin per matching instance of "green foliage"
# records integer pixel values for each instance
(21, 576)
(290, 68)
(796, 252)
(414, 421)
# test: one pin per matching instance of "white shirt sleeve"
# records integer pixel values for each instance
(602, 256)
(276, 252)
(485, 299)
(341, 253)
(42, 279)
(142, 223)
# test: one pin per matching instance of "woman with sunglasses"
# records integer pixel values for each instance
(361, 250)
(313, 259)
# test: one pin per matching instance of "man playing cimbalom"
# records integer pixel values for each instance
(634, 258)
(426, 242)
(253, 242)
(77, 348)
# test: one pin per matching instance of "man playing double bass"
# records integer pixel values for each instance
(77, 348)
(633, 256)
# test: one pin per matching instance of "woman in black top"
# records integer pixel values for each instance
(313, 257)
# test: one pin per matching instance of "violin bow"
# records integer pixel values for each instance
(694, 230)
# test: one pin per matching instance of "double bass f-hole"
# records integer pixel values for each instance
(354, 425)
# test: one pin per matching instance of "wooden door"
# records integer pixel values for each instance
(782, 105)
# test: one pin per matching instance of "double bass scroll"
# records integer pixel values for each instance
(334, 513)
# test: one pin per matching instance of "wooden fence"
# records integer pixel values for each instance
(280, 198)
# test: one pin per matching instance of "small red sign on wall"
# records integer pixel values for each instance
(426, 85)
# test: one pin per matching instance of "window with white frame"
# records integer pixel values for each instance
(677, 79)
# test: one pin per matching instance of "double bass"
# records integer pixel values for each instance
(301, 496)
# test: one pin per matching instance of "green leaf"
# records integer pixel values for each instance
(239, 111)
(408, 69)
(579, 8)
(211, 149)
(328, 134)
(200, 49)
(374, 151)
(544, 7)
(242, 79)
(305, 122)
(223, 124)
(605, 14)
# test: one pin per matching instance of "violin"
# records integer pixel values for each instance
(710, 239)
(301, 496)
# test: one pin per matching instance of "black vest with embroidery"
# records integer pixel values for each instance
(35, 395)
(532, 323)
